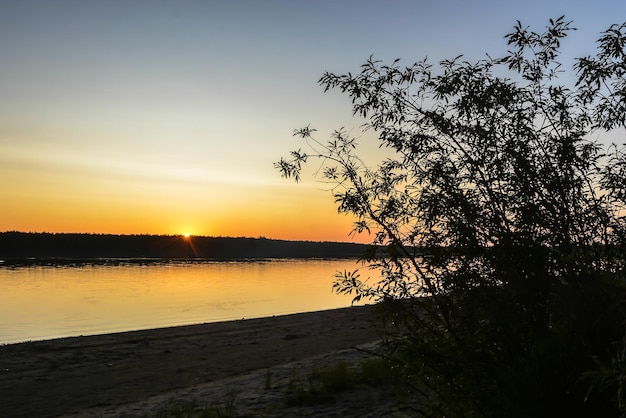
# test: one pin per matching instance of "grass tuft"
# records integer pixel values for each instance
(378, 371)
(319, 385)
(191, 410)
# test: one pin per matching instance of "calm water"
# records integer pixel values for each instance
(47, 302)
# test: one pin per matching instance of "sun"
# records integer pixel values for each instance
(186, 235)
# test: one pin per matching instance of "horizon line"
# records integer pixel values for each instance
(260, 237)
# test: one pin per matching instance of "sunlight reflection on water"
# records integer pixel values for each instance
(52, 301)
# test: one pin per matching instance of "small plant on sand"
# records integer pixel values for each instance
(191, 409)
(377, 371)
(225, 410)
(336, 377)
(268, 379)
(178, 410)
(320, 385)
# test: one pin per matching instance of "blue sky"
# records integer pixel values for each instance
(166, 116)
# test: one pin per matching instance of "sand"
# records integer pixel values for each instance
(137, 373)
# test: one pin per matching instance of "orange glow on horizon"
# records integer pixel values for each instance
(277, 212)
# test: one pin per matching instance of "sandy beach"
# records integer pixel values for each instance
(134, 373)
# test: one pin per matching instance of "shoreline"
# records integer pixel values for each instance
(72, 376)
(226, 320)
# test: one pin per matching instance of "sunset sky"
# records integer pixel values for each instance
(165, 117)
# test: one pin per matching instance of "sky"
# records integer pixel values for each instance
(165, 117)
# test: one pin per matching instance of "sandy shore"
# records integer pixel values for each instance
(133, 373)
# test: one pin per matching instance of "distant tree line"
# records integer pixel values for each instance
(16, 246)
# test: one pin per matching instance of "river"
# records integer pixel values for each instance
(43, 302)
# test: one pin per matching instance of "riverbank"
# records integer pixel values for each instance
(102, 375)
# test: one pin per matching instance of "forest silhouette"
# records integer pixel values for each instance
(37, 248)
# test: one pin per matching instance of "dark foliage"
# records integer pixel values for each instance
(20, 248)
(498, 223)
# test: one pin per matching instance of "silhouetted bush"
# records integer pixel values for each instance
(498, 222)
